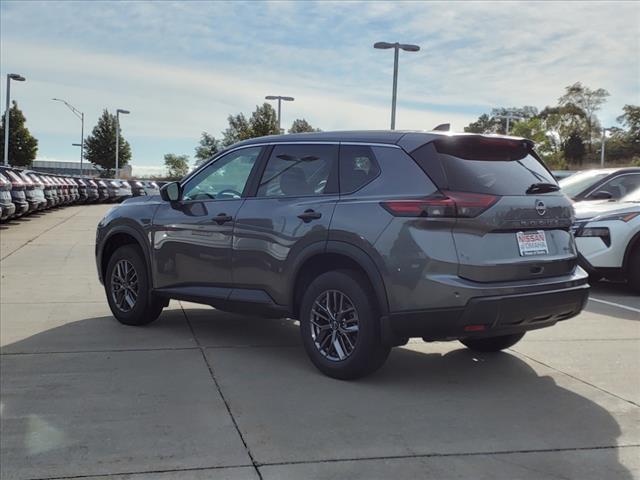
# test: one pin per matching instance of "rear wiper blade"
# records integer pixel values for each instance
(543, 188)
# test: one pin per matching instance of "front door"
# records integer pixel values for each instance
(192, 238)
(291, 209)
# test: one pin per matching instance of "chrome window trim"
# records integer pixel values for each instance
(215, 158)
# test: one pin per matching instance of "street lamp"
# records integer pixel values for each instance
(118, 112)
(280, 99)
(80, 115)
(509, 116)
(604, 136)
(17, 78)
(396, 47)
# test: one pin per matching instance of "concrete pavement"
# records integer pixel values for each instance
(206, 394)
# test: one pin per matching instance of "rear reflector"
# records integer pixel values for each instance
(443, 205)
(474, 328)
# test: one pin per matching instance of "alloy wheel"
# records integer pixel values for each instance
(124, 285)
(334, 325)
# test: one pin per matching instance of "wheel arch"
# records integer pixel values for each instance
(631, 247)
(118, 237)
(337, 255)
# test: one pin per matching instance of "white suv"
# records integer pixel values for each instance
(608, 238)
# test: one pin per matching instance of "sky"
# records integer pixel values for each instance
(181, 68)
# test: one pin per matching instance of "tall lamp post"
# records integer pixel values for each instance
(118, 112)
(396, 47)
(80, 115)
(508, 117)
(17, 78)
(604, 137)
(280, 100)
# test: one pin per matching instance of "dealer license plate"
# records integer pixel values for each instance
(532, 243)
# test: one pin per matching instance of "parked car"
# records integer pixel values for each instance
(75, 190)
(55, 189)
(63, 190)
(137, 188)
(47, 189)
(601, 184)
(103, 190)
(122, 190)
(92, 189)
(608, 238)
(18, 191)
(8, 208)
(368, 238)
(150, 187)
(35, 196)
(560, 174)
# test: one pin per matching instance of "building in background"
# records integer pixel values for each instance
(73, 168)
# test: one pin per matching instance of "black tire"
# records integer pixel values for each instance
(145, 308)
(492, 344)
(633, 278)
(368, 353)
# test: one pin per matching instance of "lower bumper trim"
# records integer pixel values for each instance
(499, 315)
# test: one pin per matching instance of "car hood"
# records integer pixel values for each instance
(586, 210)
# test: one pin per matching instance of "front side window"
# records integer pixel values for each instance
(298, 170)
(620, 186)
(223, 179)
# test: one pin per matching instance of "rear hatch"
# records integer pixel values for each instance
(512, 223)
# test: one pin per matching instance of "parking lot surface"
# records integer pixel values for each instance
(205, 394)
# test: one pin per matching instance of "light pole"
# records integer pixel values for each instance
(80, 115)
(118, 112)
(17, 78)
(604, 136)
(508, 117)
(396, 47)
(280, 99)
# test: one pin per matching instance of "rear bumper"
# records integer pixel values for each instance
(488, 316)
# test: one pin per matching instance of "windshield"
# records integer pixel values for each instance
(575, 184)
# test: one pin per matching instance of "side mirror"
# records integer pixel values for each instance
(171, 192)
(601, 195)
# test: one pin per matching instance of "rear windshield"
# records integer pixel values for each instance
(481, 165)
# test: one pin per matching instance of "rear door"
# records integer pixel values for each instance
(292, 209)
(521, 232)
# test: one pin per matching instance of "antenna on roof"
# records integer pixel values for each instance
(443, 127)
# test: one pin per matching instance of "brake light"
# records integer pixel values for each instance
(443, 205)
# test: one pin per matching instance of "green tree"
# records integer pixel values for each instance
(264, 121)
(100, 146)
(574, 148)
(589, 101)
(206, 148)
(484, 124)
(238, 130)
(23, 147)
(177, 165)
(631, 120)
(300, 125)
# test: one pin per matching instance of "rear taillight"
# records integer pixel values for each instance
(443, 205)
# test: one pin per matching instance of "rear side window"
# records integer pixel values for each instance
(358, 166)
(481, 165)
(299, 170)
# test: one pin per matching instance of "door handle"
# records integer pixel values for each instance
(309, 215)
(222, 218)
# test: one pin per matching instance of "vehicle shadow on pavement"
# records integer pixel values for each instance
(427, 400)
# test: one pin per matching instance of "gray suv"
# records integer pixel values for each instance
(368, 238)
